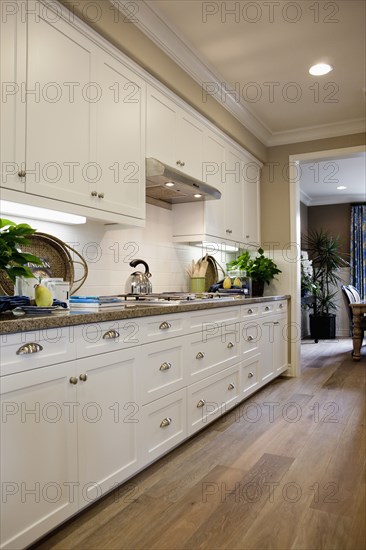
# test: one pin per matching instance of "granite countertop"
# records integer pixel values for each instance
(9, 323)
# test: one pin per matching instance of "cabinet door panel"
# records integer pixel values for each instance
(234, 191)
(108, 422)
(190, 146)
(13, 50)
(213, 162)
(59, 114)
(120, 138)
(38, 453)
(162, 127)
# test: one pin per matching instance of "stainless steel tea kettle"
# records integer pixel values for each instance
(140, 282)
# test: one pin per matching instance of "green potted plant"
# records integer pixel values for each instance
(324, 252)
(12, 260)
(261, 269)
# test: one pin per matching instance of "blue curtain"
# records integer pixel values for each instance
(358, 248)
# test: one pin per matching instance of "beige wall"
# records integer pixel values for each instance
(134, 43)
(334, 218)
(275, 185)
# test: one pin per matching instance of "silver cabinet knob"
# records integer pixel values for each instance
(250, 338)
(250, 311)
(229, 231)
(276, 323)
(165, 366)
(247, 236)
(111, 334)
(100, 195)
(231, 386)
(266, 308)
(32, 347)
(200, 355)
(250, 374)
(94, 193)
(73, 380)
(83, 377)
(164, 325)
(280, 306)
(201, 403)
(230, 345)
(166, 422)
(183, 163)
(22, 173)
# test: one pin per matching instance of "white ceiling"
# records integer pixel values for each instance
(257, 49)
(319, 180)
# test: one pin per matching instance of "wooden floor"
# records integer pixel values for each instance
(285, 470)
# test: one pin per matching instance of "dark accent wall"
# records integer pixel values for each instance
(304, 217)
(335, 218)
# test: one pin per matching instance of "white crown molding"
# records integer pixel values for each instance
(168, 40)
(154, 25)
(342, 199)
(305, 198)
(323, 131)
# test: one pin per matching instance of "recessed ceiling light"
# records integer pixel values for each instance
(197, 196)
(169, 184)
(340, 187)
(320, 69)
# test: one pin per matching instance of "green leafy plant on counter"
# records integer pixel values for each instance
(261, 268)
(12, 260)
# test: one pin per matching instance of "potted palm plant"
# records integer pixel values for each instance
(324, 251)
(261, 269)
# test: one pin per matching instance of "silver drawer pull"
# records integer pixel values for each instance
(164, 325)
(200, 355)
(250, 338)
(73, 380)
(22, 173)
(231, 386)
(165, 366)
(266, 308)
(276, 323)
(110, 334)
(166, 422)
(83, 377)
(32, 347)
(250, 374)
(250, 311)
(230, 345)
(201, 403)
(280, 306)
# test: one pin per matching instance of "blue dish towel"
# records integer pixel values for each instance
(7, 303)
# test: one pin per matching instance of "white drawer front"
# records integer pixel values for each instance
(161, 327)
(250, 370)
(251, 310)
(111, 336)
(267, 308)
(203, 358)
(161, 371)
(31, 350)
(214, 319)
(210, 398)
(250, 335)
(164, 424)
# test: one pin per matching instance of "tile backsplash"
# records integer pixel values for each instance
(108, 251)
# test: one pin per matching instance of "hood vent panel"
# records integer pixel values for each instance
(184, 189)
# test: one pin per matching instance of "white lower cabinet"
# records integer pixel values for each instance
(212, 397)
(108, 418)
(38, 453)
(164, 424)
(85, 408)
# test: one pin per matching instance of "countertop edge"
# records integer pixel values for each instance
(10, 324)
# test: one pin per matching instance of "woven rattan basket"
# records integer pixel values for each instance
(58, 260)
(212, 273)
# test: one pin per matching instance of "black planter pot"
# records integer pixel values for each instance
(323, 326)
(257, 288)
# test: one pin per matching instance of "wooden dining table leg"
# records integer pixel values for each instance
(357, 336)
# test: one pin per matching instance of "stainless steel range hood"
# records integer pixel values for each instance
(166, 185)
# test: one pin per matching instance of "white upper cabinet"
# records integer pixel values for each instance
(234, 195)
(173, 135)
(213, 163)
(74, 125)
(59, 131)
(251, 173)
(13, 49)
(120, 138)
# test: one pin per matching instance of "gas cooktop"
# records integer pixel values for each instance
(176, 298)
